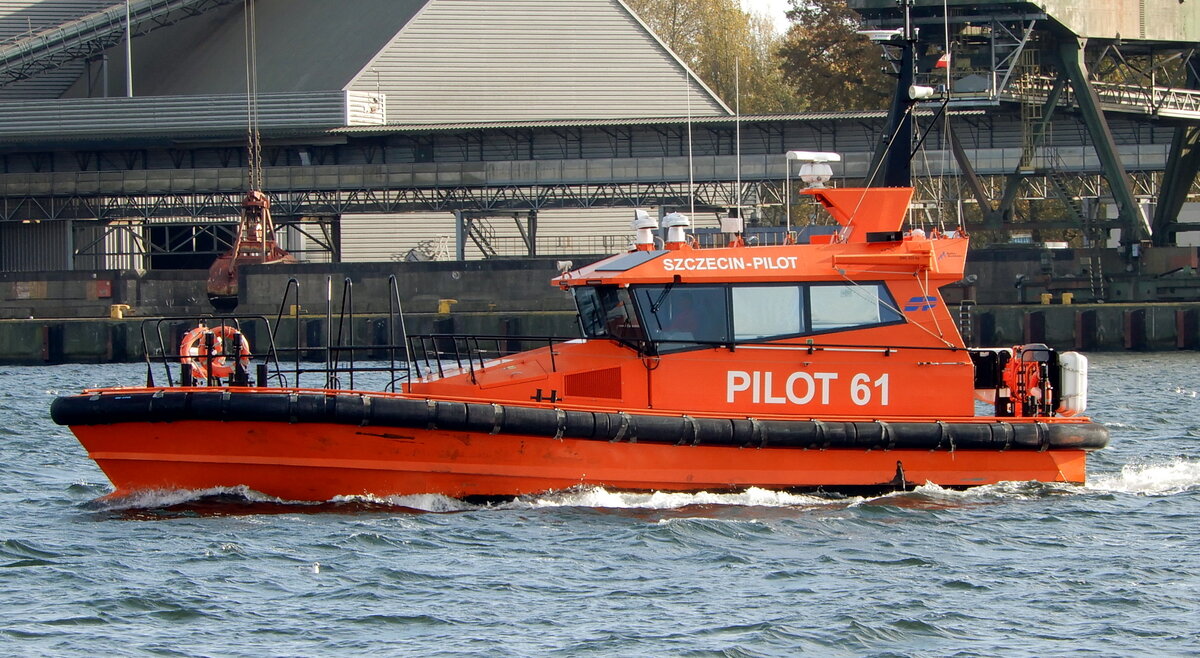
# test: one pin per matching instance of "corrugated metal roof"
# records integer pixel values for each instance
(595, 123)
(435, 61)
(524, 60)
(178, 115)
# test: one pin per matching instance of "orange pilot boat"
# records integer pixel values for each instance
(829, 365)
(833, 364)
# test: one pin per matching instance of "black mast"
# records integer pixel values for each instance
(893, 157)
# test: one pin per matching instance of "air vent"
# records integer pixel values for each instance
(604, 383)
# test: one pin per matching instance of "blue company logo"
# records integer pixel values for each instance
(920, 304)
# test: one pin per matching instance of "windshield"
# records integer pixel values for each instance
(607, 312)
(682, 316)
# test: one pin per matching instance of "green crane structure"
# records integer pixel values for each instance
(1063, 55)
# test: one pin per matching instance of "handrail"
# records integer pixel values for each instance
(347, 311)
(170, 355)
(394, 312)
(293, 286)
(341, 351)
(329, 377)
(469, 351)
(1151, 100)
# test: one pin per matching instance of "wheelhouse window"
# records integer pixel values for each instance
(683, 316)
(761, 312)
(607, 312)
(846, 306)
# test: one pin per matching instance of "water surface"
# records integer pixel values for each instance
(1111, 568)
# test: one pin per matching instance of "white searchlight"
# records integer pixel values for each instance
(921, 92)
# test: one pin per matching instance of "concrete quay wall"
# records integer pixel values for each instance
(994, 277)
(58, 317)
(518, 285)
(1089, 327)
(44, 342)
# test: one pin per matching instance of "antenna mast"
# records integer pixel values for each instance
(894, 158)
(737, 129)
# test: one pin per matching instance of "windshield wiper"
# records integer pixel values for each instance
(657, 304)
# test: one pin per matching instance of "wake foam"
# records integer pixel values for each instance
(600, 497)
(421, 502)
(592, 497)
(1180, 475)
(167, 498)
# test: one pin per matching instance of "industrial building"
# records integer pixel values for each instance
(91, 123)
(415, 129)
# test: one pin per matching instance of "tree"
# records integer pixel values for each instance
(827, 64)
(730, 50)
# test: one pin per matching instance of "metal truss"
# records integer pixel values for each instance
(187, 208)
(1001, 39)
(133, 230)
(314, 214)
(1044, 186)
(92, 35)
(338, 202)
(1150, 100)
(319, 230)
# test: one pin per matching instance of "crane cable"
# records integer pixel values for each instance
(253, 140)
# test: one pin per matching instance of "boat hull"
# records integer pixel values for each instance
(316, 446)
(317, 462)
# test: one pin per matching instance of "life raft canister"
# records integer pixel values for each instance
(194, 352)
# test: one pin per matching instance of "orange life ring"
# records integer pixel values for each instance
(193, 350)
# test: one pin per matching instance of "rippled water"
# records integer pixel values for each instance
(1111, 568)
